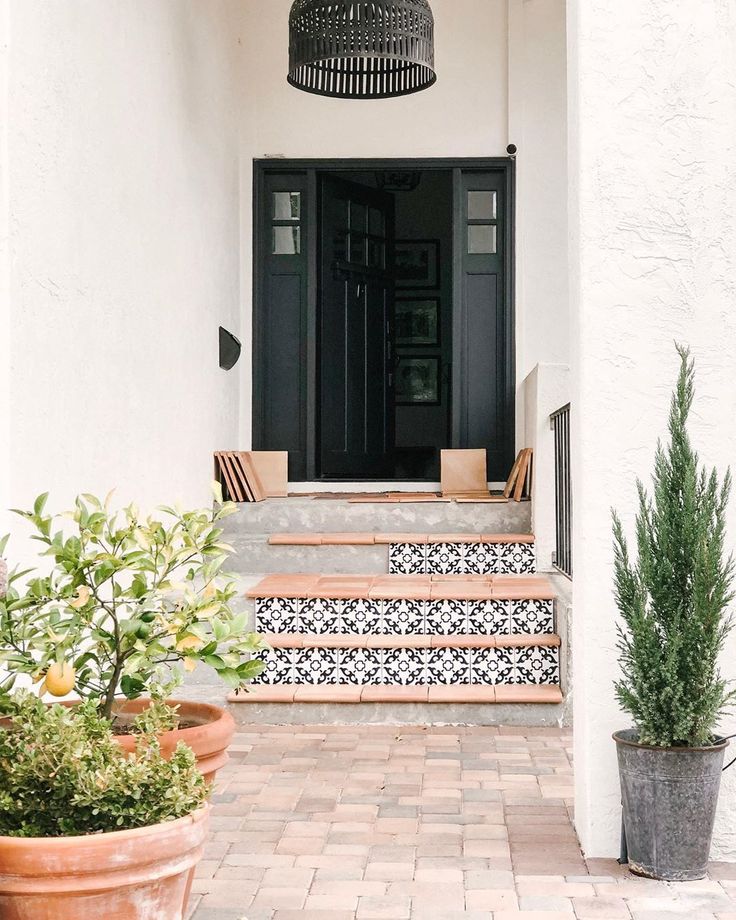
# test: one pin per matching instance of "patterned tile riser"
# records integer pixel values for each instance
(404, 617)
(461, 559)
(402, 666)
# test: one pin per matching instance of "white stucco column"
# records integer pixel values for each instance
(652, 102)
(4, 271)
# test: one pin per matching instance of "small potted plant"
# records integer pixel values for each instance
(673, 601)
(87, 831)
(126, 598)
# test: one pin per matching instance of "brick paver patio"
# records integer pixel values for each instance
(371, 822)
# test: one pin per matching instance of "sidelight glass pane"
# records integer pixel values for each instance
(481, 205)
(287, 241)
(287, 205)
(482, 238)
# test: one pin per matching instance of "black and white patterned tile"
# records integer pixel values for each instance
(493, 666)
(320, 615)
(517, 559)
(448, 666)
(360, 666)
(361, 616)
(489, 617)
(277, 614)
(445, 558)
(279, 666)
(481, 559)
(532, 617)
(405, 666)
(403, 617)
(407, 559)
(538, 665)
(316, 666)
(446, 617)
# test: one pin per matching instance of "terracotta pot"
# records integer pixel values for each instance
(209, 738)
(141, 874)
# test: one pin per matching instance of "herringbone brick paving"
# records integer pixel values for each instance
(435, 823)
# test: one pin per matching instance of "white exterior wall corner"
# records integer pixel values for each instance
(125, 240)
(4, 272)
(652, 96)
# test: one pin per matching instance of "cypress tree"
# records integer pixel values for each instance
(674, 598)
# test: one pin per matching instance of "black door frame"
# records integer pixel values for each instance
(310, 168)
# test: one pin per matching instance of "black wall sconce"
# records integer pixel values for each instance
(229, 350)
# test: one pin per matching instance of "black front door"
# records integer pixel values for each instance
(355, 316)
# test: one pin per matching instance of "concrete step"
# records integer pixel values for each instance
(396, 693)
(301, 513)
(397, 553)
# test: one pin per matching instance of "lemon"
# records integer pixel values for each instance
(60, 679)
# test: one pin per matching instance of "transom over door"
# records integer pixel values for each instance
(355, 310)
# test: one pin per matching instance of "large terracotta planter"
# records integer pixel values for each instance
(209, 738)
(141, 874)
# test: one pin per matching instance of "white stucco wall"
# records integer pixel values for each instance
(124, 244)
(501, 79)
(653, 219)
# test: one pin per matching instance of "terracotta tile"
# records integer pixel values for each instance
(523, 593)
(463, 471)
(523, 693)
(382, 581)
(334, 693)
(400, 538)
(283, 640)
(283, 586)
(347, 539)
(416, 591)
(394, 694)
(335, 641)
(295, 539)
(280, 693)
(507, 538)
(398, 641)
(523, 581)
(453, 538)
(465, 641)
(462, 694)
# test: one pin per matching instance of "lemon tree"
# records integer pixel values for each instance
(126, 596)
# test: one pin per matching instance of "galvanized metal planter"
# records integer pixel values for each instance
(669, 798)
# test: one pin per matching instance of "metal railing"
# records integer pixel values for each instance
(560, 424)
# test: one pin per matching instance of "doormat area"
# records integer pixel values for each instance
(395, 498)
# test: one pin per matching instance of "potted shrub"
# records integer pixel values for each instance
(673, 601)
(128, 599)
(87, 831)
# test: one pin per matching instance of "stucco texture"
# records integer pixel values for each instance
(653, 230)
(124, 237)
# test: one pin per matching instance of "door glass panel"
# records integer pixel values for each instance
(287, 241)
(481, 239)
(481, 205)
(357, 216)
(287, 205)
(376, 254)
(357, 248)
(376, 224)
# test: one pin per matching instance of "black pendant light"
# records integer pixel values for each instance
(361, 49)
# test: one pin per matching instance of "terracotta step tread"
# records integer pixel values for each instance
(364, 538)
(413, 587)
(348, 641)
(347, 693)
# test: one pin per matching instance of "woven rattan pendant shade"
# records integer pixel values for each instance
(361, 49)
